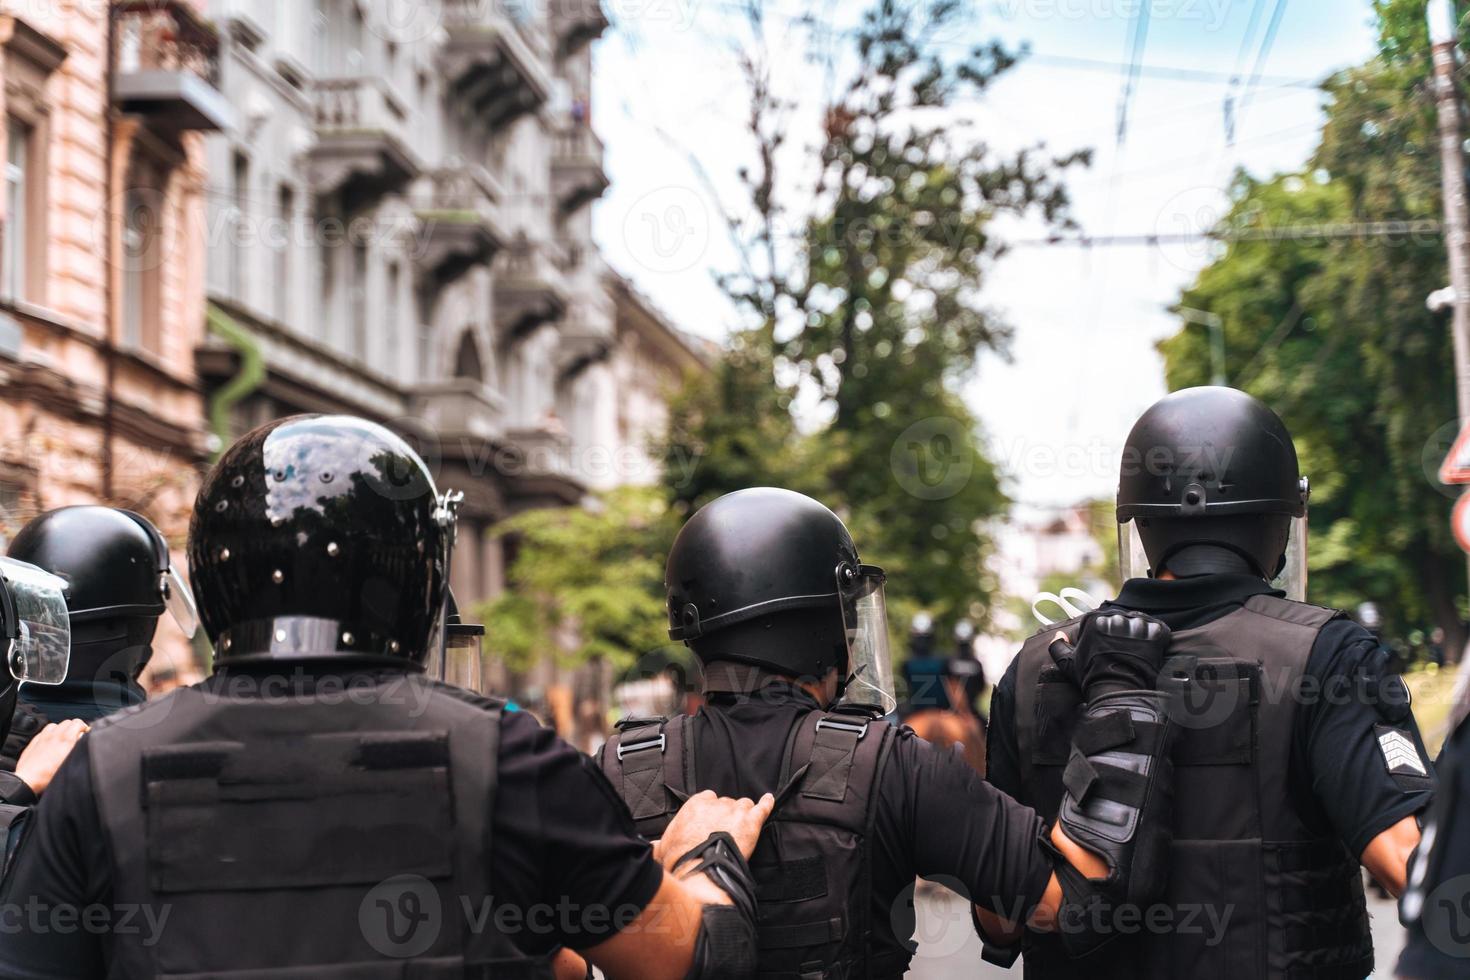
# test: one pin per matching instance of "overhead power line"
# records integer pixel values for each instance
(1333, 231)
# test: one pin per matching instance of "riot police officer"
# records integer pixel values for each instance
(119, 581)
(766, 587)
(1297, 759)
(318, 806)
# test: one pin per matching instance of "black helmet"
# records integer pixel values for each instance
(1212, 466)
(753, 578)
(320, 536)
(114, 561)
(118, 581)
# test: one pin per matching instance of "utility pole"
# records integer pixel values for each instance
(1442, 35)
(1216, 326)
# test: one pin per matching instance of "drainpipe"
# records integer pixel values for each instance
(109, 342)
(250, 376)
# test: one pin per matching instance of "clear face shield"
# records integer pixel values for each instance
(1133, 560)
(36, 627)
(178, 599)
(865, 618)
(462, 666)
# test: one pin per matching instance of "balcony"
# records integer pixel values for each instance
(496, 69)
(363, 138)
(538, 466)
(577, 178)
(576, 24)
(460, 221)
(459, 407)
(167, 60)
(587, 337)
(530, 290)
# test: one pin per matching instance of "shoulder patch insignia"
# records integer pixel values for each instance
(1399, 753)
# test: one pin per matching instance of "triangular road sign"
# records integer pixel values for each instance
(1456, 465)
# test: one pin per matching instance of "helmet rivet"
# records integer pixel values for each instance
(237, 482)
(225, 643)
(393, 646)
(347, 639)
(280, 636)
(332, 549)
(280, 476)
(278, 576)
(326, 478)
(222, 506)
(1192, 497)
(224, 554)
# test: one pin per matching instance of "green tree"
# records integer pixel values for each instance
(861, 293)
(1331, 330)
(588, 582)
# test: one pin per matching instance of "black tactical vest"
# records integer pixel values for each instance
(1253, 892)
(812, 863)
(323, 836)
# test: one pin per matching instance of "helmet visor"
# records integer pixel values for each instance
(1133, 560)
(38, 630)
(178, 599)
(865, 618)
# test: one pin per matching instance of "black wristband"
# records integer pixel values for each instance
(720, 858)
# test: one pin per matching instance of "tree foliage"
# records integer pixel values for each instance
(588, 582)
(862, 298)
(1331, 330)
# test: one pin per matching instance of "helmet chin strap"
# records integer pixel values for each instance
(1208, 559)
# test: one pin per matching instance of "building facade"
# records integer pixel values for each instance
(101, 260)
(399, 227)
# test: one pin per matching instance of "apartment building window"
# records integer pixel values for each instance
(285, 246)
(143, 241)
(17, 211)
(359, 312)
(240, 190)
(391, 315)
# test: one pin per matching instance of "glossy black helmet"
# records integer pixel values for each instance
(320, 536)
(770, 577)
(1212, 466)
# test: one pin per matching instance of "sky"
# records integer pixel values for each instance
(668, 103)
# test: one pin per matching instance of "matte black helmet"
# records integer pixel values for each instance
(752, 577)
(320, 536)
(117, 571)
(114, 561)
(1212, 466)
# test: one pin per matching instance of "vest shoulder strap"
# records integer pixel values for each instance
(650, 764)
(1295, 613)
(832, 769)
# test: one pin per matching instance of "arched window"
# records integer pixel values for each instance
(467, 358)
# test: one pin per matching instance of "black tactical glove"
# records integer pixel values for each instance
(1118, 805)
(1115, 650)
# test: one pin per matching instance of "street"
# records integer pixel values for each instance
(949, 949)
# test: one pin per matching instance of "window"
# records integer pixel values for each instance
(241, 222)
(142, 233)
(17, 212)
(359, 313)
(467, 358)
(390, 316)
(286, 212)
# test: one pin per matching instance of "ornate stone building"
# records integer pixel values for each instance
(101, 259)
(399, 226)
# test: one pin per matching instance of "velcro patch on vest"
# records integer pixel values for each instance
(1401, 757)
(791, 881)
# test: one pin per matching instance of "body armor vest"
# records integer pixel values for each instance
(306, 836)
(812, 863)
(1253, 891)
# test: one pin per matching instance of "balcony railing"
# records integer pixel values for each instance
(167, 60)
(530, 290)
(576, 168)
(495, 62)
(461, 223)
(364, 132)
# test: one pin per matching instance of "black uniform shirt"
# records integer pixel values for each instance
(936, 817)
(1339, 769)
(562, 839)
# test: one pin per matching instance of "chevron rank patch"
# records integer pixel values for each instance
(1400, 754)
